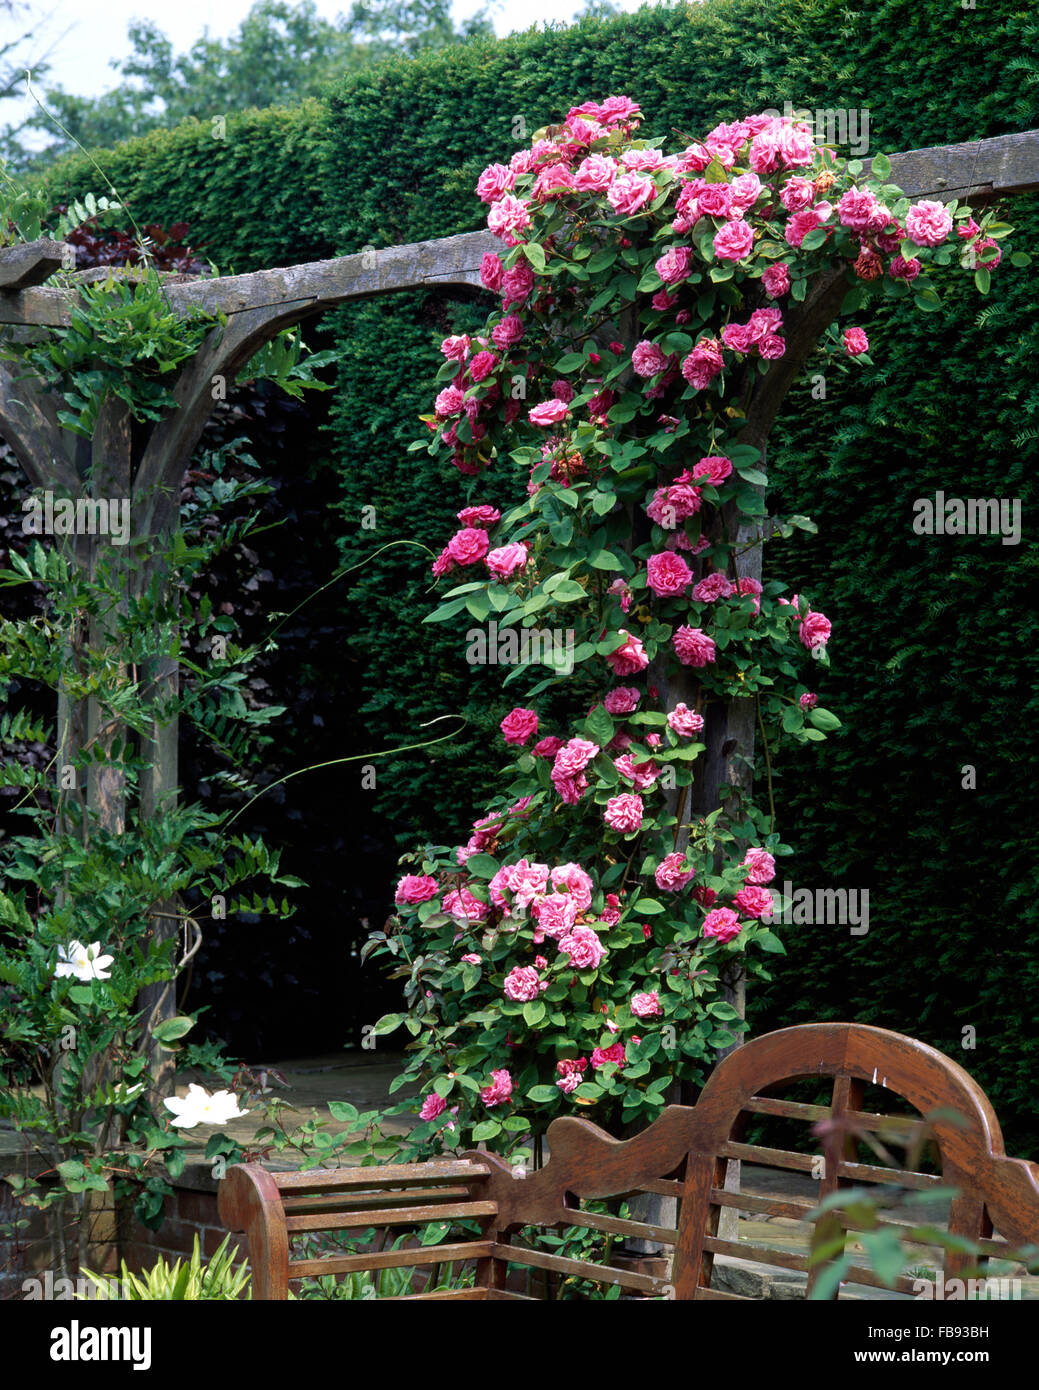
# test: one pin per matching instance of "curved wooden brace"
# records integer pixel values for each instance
(248, 1200)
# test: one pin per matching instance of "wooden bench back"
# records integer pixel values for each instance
(683, 1154)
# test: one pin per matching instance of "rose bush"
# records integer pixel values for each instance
(576, 948)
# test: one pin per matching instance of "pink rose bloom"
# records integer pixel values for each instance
(624, 813)
(569, 1083)
(928, 224)
(630, 658)
(462, 904)
(722, 923)
(675, 265)
(797, 194)
(567, 1066)
(583, 947)
(646, 161)
(673, 504)
(443, 564)
(507, 559)
(648, 359)
(714, 200)
(685, 721)
(595, 174)
(526, 882)
(857, 209)
(482, 365)
(548, 747)
(713, 469)
(663, 300)
(771, 348)
(815, 631)
(552, 181)
(491, 271)
(796, 146)
(602, 1055)
(855, 342)
(479, 516)
(471, 959)
(415, 888)
(693, 647)
(555, 914)
(642, 774)
(548, 413)
(449, 402)
(672, 873)
(509, 332)
(499, 1090)
(456, 349)
(703, 364)
(575, 756)
(901, 269)
(570, 789)
(468, 545)
(667, 574)
(712, 587)
(629, 192)
(800, 225)
(645, 1005)
(573, 879)
(508, 215)
(808, 700)
(776, 281)
(432, 1106)
(519, 725)
(761, 865)
(733, 241)
(754, 901)
(563, 391)
(622, 699)
(737, 337)
(495, 180)
(523, 985)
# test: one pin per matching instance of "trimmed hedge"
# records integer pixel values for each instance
(933, 664)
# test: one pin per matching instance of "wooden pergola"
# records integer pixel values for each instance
(260, 305)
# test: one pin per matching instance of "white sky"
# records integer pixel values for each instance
(86, 38)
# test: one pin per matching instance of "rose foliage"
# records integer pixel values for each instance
(575, 952)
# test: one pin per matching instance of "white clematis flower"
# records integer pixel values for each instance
(198, 1107)
(84, 962)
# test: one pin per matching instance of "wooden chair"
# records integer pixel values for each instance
(683, 1154)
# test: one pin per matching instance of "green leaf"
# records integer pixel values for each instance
(488, 1129)
(535, 254)
(482, 865)
(603, 560)
(570, 362)
(983, 279)
(343, 1110)
(541, 1095)
(823, 719)
(387, 1024)
(569, 591)
(172, 1029)
(768, 941)
(880, 168)
(533, 1013)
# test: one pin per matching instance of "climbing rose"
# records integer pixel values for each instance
(456, 348)
(449, 402)
(507, 559)
(482, 365)
(495, 180)
(432, 1106)
(523, 985)
(676, 264)
(667, 574)
(624, 813)
(713, 469)
(575, 756)
(479, 516)
(491, 271)
(595, 174)
(499, 1090)
(569, 1083)
(648, 359)
(722, 923)
(471, 959)
(509, 332)
(547, 747)
(693, 647)
(519, 725)
(577, 883)
(761, 864)
(815, 631)
(685, 721)
(555, 914)
(776, 281)
(469, 545)
(855, 342)
(808, 700)
(713, 586)
(928, 224)
(629, 192)
(548, 413)
(583, 947)
(754, 901)
(901, 269)
(733, 241)
(508, 215)
(461, 904)
(645, 1005)
(671, 873)
(629, 658)
(414, 888)
(622, 699)
(602, 1055)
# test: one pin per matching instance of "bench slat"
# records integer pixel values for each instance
(584, 1269)
(385, 1175)
(306, 1204)
(455, 1295)
(719, 1296)
(803, 1163)
(391, 1216)
(762, 1254)
(391, 1259)
(598, 1221)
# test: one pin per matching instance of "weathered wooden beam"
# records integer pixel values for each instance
(984, 169)
(29, 424)
(31, 262)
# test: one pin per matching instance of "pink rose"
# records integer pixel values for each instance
(675, 265)
(508, 215)
(722, 923)
(857, 208)
(549, 412)
(629, 192)
(495, 180)
(648, 359)
(928, 224)
(595, 174)
(576, 882)
(499, 1090)
(754, 901)
(547, 747)
(507, 559)
(855, 342)
(415, 888)
(815, 631)
(479, 516)
(622, 699)
(522, 983)
(808, 700)
(761, 865)
(736, 337)
(685, 721)
(491, 271)
(468, 545)
(693, 647)
(583, 947)
(461, 904)
(602, 1055)
(509, 332)
(713, 200)
(456, 349)
(570, 789)
(449, 402)
(667, 574)
(519, 725)
(776, 281)
(733, 241)
(552, 181)
(672, 872)
(645, 1005)
(569, 1083)
(712, 587)
(771, 347)
(714, 469)
(624, 813)
(555, 914)
(703, 364)
(575, 756)
(629, 658)
(482, 365)
(432, 1106)
(800, 225)
(471, 959)
(901, 269)
(641, 774)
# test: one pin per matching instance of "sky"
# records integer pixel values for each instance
(83, 40)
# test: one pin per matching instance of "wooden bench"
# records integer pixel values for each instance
(684, 1155)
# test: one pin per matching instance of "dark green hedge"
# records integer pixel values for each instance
(933, 654)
